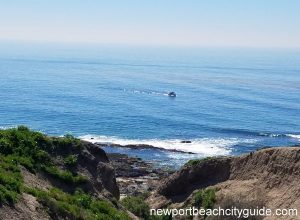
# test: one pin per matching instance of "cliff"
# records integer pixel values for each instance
(268, 177)
(45, 177)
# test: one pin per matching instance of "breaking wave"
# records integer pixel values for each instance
(295, 136)
(203, 146)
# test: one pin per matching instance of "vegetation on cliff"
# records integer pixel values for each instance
(37, 153)
(138, 206)
(195, 162)
(205, 198)
(80, 205)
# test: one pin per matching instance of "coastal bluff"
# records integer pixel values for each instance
(265, 178)
(44, 177)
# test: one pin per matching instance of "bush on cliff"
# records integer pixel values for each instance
(70, 161)
(32, 150)
(65, 176)
(10, 181)
(35, 151)
(138, 206)
(77, 206)
(205, 198)
(195, 162)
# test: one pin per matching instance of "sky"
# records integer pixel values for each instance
(216, 23)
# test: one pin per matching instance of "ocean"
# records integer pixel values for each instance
(229, 101)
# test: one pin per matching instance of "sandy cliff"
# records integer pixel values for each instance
(268, 177)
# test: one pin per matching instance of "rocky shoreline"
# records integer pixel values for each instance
(135, 176)
(66, 178)
(142, 146)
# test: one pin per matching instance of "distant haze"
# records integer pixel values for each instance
(235, 23)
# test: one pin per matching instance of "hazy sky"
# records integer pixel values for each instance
(252, 23)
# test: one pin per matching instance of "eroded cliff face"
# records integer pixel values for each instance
(268, 177)
(191, 177)
(92, 164)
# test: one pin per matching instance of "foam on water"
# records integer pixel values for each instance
(203, 146)
(295, 136)
(6, 127)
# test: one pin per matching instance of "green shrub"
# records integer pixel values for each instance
(65, 176)
(7, 196)
(32, 150)
(42, 156)
(205, 198)
(27, 162)
(5, 147)
(10, 180)
(66, 142)
(22, 141)
(21, 146)
(195, 162)
(136, 205)
(70, 161)
(77, 206)
(23, 128)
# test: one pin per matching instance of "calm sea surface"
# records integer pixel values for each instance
(229, 101)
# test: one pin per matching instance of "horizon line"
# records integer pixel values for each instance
(140, 45)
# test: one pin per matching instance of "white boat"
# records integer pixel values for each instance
(172, 94)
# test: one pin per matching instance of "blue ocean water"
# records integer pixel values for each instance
(229, 101)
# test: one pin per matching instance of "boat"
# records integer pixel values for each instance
(172, 94)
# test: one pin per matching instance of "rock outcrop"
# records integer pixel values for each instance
(135, 176)
(93, 163)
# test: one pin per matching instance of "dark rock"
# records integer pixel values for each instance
(135, 176)
(185, 142)
(140, 146)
